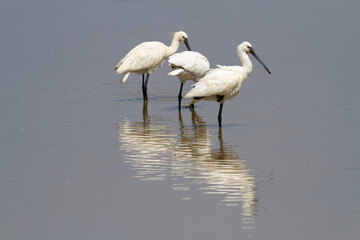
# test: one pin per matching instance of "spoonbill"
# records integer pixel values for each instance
(224, 83)
(188, 65)
(147, 57)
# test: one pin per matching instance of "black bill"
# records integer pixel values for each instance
(257, 58)
(187, 44)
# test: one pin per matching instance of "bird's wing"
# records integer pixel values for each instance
(217, 82)
(190, 61)
(144, 56)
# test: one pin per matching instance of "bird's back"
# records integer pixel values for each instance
(194, 64)
(145, 57)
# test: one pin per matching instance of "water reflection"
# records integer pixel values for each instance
(191, 159)
(148, 145)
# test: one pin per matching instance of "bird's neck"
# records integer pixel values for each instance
(172, 48)
(246, 62)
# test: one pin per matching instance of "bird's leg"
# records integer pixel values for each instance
(219, 115)
(219, 99)
(179, 96)
(145, 87)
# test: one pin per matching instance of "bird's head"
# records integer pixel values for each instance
(247, 48)
(182, 36)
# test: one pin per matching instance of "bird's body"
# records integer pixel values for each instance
(219, 82)
(144, 58)
(224, 83)
(147, 57)
(188, 65)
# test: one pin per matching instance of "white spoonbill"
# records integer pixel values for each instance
(224, 83)
(188, 65)
(147, 57)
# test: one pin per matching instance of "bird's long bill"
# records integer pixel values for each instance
(187, 44)
(257, 58)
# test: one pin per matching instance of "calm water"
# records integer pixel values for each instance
(81, 157)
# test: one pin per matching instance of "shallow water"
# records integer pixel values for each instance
(83, 158)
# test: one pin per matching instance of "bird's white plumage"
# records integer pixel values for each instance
(148, 56)
(220, 81)
(224, 83)
(144, 58)
(188, 65)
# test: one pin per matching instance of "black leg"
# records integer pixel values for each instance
(219, 115)
(147, 79)
(145, 87)
(179, 96)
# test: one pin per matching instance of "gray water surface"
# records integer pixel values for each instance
(81, 156)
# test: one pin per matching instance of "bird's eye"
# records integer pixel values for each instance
(248, 47)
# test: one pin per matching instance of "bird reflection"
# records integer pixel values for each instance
(148, 146)
(213, 169)
(190, 159)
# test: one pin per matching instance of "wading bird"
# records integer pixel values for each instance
(147, 57)
(224, 83)
(188, 65)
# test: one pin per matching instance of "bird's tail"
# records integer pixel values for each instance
(125, 76)
(118, 66)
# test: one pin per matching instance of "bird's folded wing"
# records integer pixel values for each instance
(190, 61)
(144, 56)
(218, 82)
